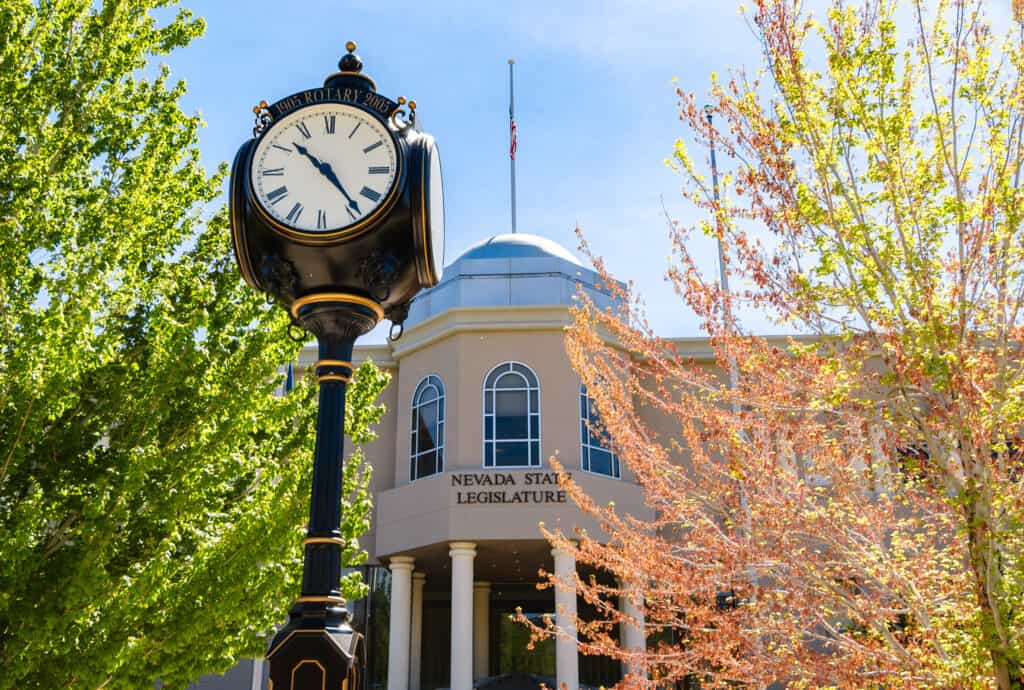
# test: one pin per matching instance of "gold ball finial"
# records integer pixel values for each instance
(412, 105)
(401, 100)
(263, 104)
(350, 46)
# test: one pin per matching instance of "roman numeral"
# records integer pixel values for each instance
(277, 172)
(371, 147)
(277, 194)
(378, 170)
(354, 129)
(294, 214)
(303, 129)
(370, 194)
(321, 219)
(283, 148)
(329, 123)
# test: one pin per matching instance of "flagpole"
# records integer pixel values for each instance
(730, 325)
(512, 140)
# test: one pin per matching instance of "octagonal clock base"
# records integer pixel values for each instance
(318, 649)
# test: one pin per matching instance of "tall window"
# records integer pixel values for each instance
(426, 454)
(595, 454)
(511, 417)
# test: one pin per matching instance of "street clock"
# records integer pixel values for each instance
(337, 213)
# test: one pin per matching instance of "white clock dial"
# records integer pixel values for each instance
(324, 168)
(436, 210)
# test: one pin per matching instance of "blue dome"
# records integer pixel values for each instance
(511, 270)
(519, 245)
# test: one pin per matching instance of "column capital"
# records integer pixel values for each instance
(418, 577)
(481, 584)
(462, 548)
(401, 563)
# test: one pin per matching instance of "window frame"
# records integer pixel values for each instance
(509, 368)
(440, 425)
(585, 435)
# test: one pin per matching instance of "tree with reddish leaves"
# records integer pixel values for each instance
(844, 508)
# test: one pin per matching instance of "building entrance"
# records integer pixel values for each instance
(510, 639)
(499, 646)
(513, 643)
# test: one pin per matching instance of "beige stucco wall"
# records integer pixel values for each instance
(436, 510)
(462, 346)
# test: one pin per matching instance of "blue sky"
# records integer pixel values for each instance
(595, 105)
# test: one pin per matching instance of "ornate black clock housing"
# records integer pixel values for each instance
(337, 212)
(339, 193)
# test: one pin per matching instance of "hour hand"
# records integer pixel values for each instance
(305, 152)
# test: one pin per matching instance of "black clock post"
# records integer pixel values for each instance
(337, 213)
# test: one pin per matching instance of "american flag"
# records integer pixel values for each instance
(512, 134)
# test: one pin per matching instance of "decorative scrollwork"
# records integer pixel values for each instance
(412, 113)
(279, 277)
(263, 118)
(377, 271)
(398, 116)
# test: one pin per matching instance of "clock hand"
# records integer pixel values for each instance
(325, 169)
(305, 152)
(328, 172)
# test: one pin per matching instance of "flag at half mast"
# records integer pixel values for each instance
(512, 135)
(513, 143)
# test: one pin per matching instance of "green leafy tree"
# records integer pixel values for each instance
(153, 488)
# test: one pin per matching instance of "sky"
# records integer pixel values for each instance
(594, 101)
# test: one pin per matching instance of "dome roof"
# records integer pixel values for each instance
(519, 245)
(511, 270)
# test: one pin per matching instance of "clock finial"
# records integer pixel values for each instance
(350, 68)
(350, 62)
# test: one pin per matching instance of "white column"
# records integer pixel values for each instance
(567, 669)
(633, 637)
(416, 634)
(257, 674)
(462, 554)
(398, 632)
(481, 630)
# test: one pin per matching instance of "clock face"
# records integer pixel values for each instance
(324, 168)
(436, 210)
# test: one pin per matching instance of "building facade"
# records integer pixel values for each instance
(481, 396)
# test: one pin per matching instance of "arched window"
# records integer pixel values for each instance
(595, 454)
(426, 454)
(511, 417)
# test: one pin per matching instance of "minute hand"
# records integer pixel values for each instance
(325, 169)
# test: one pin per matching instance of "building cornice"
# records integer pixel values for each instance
(503, 318)
(481, 319)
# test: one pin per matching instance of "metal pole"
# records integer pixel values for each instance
(723, 278)
(318, 625)
(512, 139)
